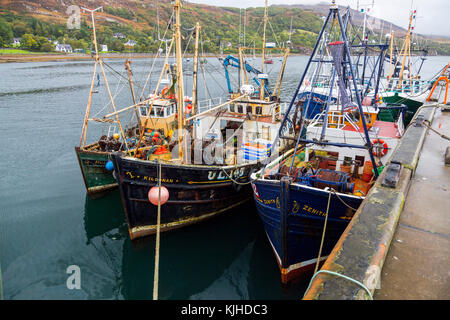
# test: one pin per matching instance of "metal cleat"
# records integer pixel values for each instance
(392, 176)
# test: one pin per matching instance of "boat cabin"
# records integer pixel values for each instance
(162, 116)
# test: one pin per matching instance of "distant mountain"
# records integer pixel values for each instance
(358, 17)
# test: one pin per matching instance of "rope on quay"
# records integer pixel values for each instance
(435, 131)
(342, 276)
(320, 252)
(158, 226)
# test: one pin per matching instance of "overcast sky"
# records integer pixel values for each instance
(433, 16)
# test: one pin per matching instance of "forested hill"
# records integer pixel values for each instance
(138, 20)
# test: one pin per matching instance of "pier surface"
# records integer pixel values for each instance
(417, 265)
(398, 243)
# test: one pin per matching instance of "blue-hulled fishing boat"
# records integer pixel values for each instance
(307, 196)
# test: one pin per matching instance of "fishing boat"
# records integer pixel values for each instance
(206, 166)
(403, 84)
(307, 196)
(93, 158)
(317, 85)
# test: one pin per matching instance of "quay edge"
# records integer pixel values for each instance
(364, 244)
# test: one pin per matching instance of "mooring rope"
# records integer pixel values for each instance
(234, 181)
(340, 199)
(435, 131)
(323, 231)
(342, 276)
(158, 228)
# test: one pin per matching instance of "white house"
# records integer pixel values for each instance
(130, 43)
(103, 47)
(16, 42)
(119, 35)
(67, 48)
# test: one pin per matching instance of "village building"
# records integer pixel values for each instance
(67, 48)
(130, 43)
(119, 35)
(16, 42)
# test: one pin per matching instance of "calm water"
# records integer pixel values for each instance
(47, 222)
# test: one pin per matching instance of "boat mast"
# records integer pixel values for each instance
(261, 93)
(133, 96)
(194, 85)
(88, 107)
(405, 50)
(180, 85)
(390, 55)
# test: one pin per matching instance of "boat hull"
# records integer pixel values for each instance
(97, 179)
(295, 233)
(316, 105)
(196, 192)
(411, 104)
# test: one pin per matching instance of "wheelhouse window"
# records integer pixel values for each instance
(240, 108)
(258, 110)
(231, 108)
(249, 109)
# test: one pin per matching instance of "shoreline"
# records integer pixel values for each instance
(14, 58)
(11, 58)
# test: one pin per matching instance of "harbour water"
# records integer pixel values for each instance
(47, 222)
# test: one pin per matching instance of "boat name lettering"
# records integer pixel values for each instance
(148, 178)
(236, 173)
(309, 209)
(269, 201)
(93, 163)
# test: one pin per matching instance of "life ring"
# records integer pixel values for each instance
(376, 147)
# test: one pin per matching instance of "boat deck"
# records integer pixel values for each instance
(417, 264)
(387, 129)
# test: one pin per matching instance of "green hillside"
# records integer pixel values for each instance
(137, 20)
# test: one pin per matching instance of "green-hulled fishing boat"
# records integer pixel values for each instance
(403, 86)
(96, 177)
